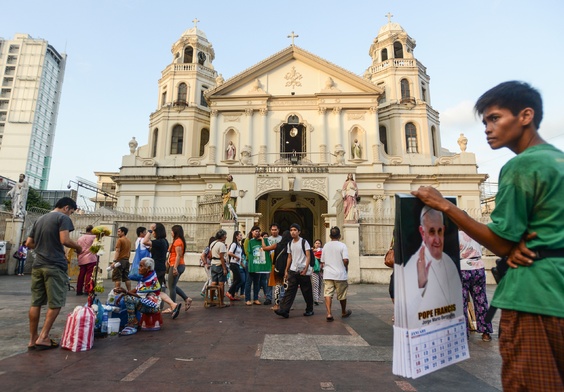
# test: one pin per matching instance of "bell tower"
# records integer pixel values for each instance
(407, 122)
(179, 128)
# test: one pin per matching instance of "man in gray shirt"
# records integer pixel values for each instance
(49, 279)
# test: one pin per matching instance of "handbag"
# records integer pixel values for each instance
(140, 254)
(79, 330)
(389, 258)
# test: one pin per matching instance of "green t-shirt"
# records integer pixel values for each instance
(258, 259)
(531, 199)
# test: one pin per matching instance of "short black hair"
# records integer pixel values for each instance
(220, 234)
(123, 229)
(514, 96)
(296, 226)
(335, 233)
(140, 230)
(274, 224)
(66, 201)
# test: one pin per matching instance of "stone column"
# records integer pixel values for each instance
(14, 237)
(351, 238)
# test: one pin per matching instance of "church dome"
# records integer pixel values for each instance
(391, 27)
(195, 31)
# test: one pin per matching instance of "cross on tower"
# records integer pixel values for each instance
(195, 21)
(293, 36)
(389, 16)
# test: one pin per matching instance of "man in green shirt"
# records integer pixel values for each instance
(258, 263)
(528, 226)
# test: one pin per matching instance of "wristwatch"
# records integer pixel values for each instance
(149, 231)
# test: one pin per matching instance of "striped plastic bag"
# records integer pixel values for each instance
(79, 330)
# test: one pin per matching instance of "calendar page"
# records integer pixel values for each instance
(437, 346)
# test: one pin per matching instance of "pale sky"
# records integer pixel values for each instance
(117, 49)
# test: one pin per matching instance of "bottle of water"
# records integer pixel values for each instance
(104, 328)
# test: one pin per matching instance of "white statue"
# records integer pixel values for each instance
(18, 193)
(339, 154)
(246, 155)
(462, 142)
(133, 145)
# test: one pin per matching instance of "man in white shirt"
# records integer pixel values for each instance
(298, 273)
(432, 281)
(335, 264)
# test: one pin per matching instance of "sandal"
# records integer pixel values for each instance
(330, 318)
(349, 312)
(40, 347)
(187, 304)
(128, 331)
(176, 311)
(167, 311)
(486, 337)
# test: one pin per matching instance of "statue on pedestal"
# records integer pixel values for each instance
(18, 193)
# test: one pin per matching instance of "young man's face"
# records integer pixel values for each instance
(433, 234)
(294, 232)
(120, 233)
(143, 233)
(274, 231)
(503, 129)
(256, 234)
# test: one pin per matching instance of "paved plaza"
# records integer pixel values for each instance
(240, 348)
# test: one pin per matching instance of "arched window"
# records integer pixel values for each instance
(384, 54)
(204, 139)
(182, 90)
(434, 146)
(398, 50)
(188, 54)
(163, 98)
(411, 138)
(384, 138)
(177, 140)
(404, 86)
(155, 140)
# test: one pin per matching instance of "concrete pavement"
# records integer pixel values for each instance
(240, 348)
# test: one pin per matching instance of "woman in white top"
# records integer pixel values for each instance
(234, 252)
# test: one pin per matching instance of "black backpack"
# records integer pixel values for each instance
(311, 256)
(280, 261)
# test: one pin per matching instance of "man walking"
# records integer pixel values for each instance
(49, 277)
(298, 273)
(529, 213)
(335, 264)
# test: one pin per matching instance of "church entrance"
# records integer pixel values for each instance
(303, 208)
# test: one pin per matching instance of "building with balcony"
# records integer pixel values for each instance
(289, 130)
(31, 74)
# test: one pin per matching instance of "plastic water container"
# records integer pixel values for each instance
(113, 325)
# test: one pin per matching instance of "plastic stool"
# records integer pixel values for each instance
(151, 321)
(212, 296)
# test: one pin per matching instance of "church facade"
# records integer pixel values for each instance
(290, 130)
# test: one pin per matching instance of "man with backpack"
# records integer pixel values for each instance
(298, 273)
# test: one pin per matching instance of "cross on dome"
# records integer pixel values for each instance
(293, 36)
(389, 16)
(195, 21)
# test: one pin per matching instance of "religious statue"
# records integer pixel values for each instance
(229, 195)
(339, 154)
(231, 151)
(246, 155)
(356, 150)
(133, 145)
(349, 192)
(18, 193)
(219, 80)
(462, 142)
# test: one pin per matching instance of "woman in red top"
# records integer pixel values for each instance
(176, 265)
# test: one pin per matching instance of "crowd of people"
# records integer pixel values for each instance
(526, 227)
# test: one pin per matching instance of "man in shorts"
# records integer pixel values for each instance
(120, 265)
(528, 226)
(49, 279)
(218, 267)
(335, 264)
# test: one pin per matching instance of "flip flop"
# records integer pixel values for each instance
(41, 347)
(176, 311)
(167, 311)
(187, 304)
(128, 331)
(349, 312)
(330, 319)
(31, 348)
